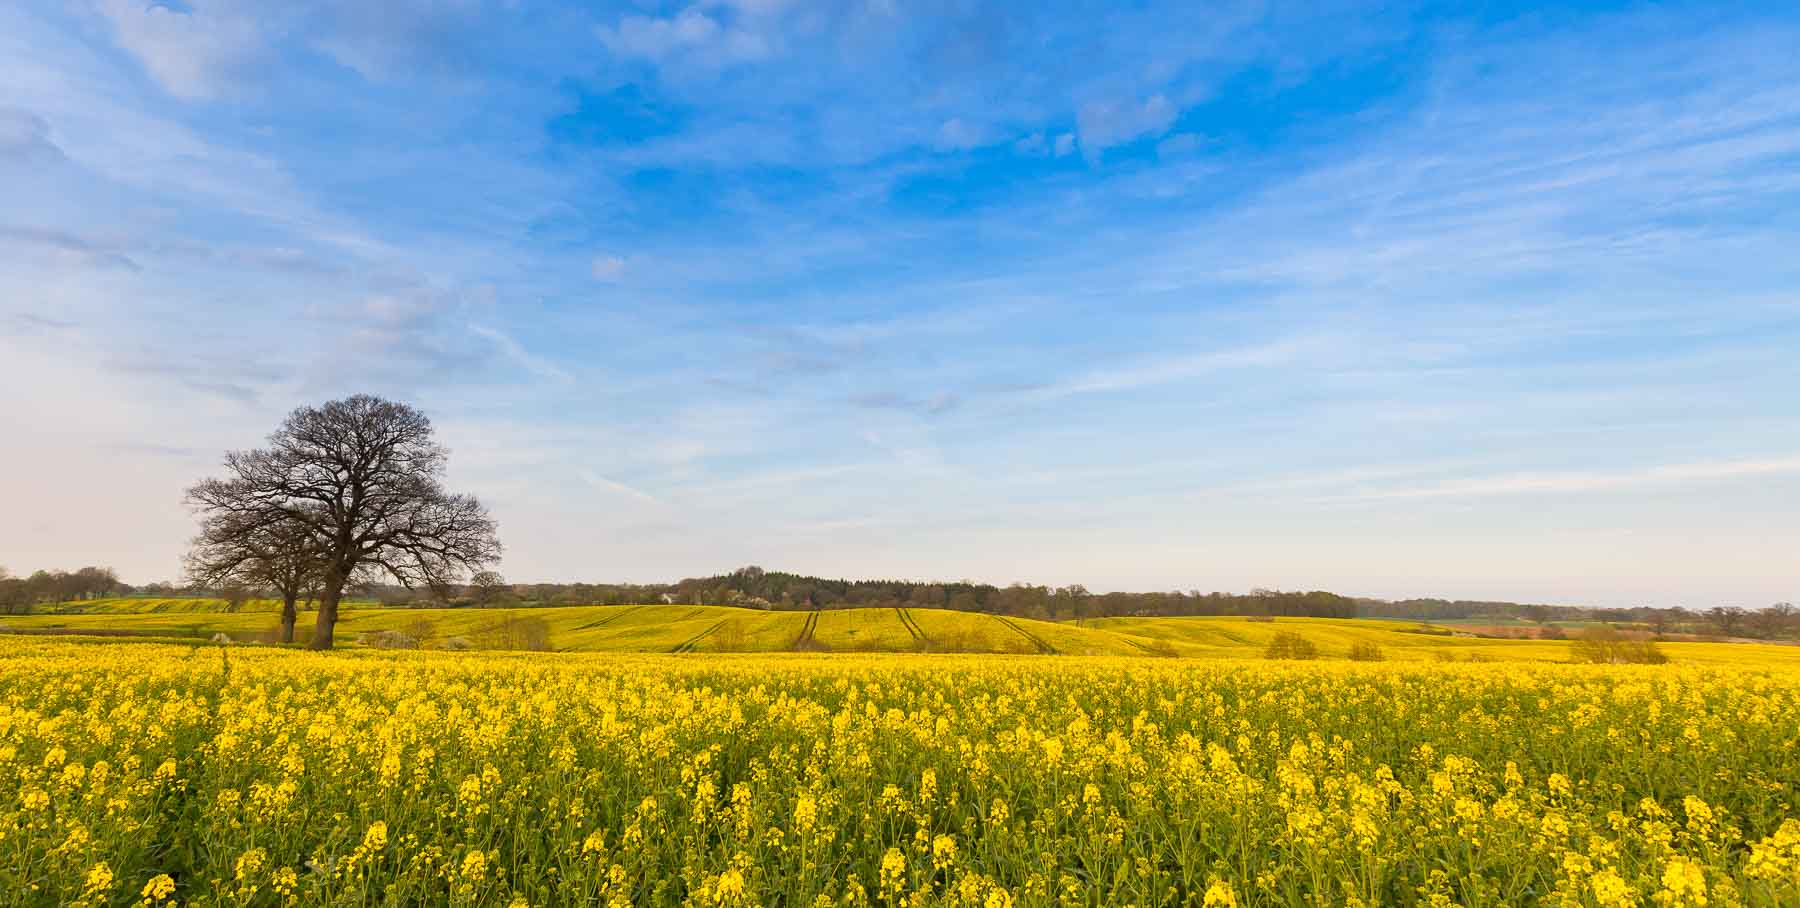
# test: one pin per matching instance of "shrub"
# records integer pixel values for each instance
(1162, 648)
(1604, 645)
(420, 629)
(390, 640)
(1289, 645)
(515, 632)
(1260, 619)
(1364, 651)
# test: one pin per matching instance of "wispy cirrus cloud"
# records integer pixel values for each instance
(614, 486)
(1585, 482)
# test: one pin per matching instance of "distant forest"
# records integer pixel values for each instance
(753, 587)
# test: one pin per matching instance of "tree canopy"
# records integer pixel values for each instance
(357, 484)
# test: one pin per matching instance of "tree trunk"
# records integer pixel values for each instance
(288, 616)
(328, 608)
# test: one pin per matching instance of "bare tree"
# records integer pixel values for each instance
(487, 588)
(1774, 621)
(361, 478)
(238, 548)
(1729, 619)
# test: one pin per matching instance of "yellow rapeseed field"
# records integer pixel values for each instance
(145, 774)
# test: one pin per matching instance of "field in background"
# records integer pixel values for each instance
(711, 628)
(144, 605)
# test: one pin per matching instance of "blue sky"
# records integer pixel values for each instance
(1472, 300)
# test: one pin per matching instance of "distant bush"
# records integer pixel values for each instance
(456, 644)
(1364, 651)
(1260, 619)
(1162, 648)
(514, 632)
(1289, 645)
(420, 629)
(1451, 656)
(1552, 632)
(389, 640)
(1604, 645)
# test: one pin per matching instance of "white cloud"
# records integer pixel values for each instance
(191, 53)
(690, 36)
(1034, 144)
(1104, 124)
(1065, 144)
(958, 134)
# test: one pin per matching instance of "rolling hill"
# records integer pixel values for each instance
(713, 628)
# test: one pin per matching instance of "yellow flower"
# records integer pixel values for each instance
(250, 863)
(376, 838)
(1219, 895)
(806, 813)
(1683, 883)
(594, 844)
(1610, 890)
(893, 871)
(1700, 816)
(943, 851)
(99, 882)
(284, 882)
(474, 866)
(730, 887)
(158, 889)
(1777, 855)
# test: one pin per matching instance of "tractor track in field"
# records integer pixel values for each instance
(912, 627)
(1035, 640)
(805, 640)
(688, 645)
(609, 618)
(1140, 647)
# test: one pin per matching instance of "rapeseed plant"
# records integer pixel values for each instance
(141, 775)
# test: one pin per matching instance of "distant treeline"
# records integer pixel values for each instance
(1780, 620)
(753, 587)
(757, 588)
(19, 594)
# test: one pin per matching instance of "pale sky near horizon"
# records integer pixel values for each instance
(1392, 300)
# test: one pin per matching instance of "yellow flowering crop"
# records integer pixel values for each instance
(144, 774)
